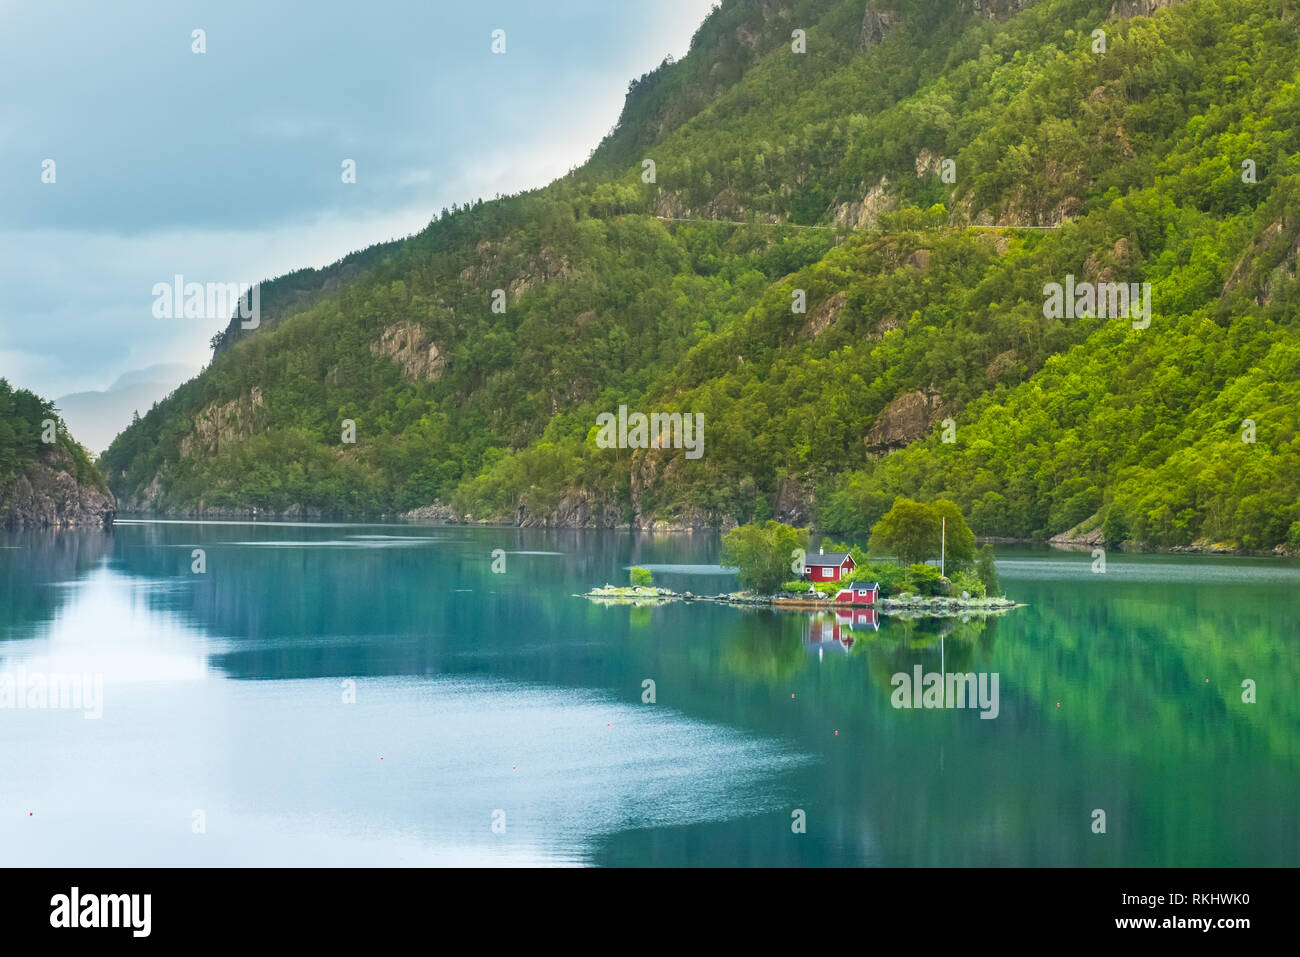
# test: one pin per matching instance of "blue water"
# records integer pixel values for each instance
(340, 694)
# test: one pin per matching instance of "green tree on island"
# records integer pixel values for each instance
(988, 572)
(764, 554)
(641, 577)
(915, 531)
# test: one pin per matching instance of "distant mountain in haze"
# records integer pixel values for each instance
(96, 418)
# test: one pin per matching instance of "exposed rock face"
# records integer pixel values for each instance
(997, 9)
(747, 36)
(825, 314)
(49, 497)
(1000, 363)
(920, 259)
(927, 163)
(216, 424)
(526, 269)
(651, 470)
(1117, 265)
(878, 21)
(578, 509)
(437, 512)
(905, 420)
(546, 266)
(865, 213)
(1204, 546)
(886, 325)
(751, 35)
(1278, 244)
(876, 24)
(148, 499)
(725, 205)
(794, 502)
(407, 344)
(1020, 209)
(1139, 8)
(1075, 538)
(581, 509)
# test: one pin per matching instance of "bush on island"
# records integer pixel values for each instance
(764, 555)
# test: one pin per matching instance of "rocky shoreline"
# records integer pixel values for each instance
(438, 513)
(903, 606)
(48, 496)
(1204, 546)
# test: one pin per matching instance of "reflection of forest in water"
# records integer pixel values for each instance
(798, 640)
(1146, 662)
(32, 565)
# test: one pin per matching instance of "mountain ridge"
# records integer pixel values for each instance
(1134, 154)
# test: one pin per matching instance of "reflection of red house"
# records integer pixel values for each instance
(836, 631)
(858, 593)
(824, 631)
(858, 617)
(828, 566)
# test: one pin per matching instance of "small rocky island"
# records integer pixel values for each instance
(904, 605)
(844, 578)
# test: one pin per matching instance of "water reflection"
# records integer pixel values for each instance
(482, 691)
(285, 771)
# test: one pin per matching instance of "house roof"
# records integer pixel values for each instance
(865, 586)
(828, 558)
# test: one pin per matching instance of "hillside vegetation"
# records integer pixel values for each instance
(46, 477)
(923, 364)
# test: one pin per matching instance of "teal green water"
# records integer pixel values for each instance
(482, 696)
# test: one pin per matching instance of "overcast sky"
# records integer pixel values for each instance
(226, 166)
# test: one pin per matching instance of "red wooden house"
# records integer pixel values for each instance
(828, 566)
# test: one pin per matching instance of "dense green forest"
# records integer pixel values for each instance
(918, 141)
(23, 428)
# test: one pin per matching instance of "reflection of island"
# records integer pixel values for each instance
(835, 631)
(944, 645)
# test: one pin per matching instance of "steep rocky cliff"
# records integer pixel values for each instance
(48, 495)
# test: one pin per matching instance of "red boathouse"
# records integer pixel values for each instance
(859, 593)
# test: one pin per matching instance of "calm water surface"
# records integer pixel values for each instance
(224, 693)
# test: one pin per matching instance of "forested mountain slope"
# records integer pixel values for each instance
(46, 477)
(917, 141)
